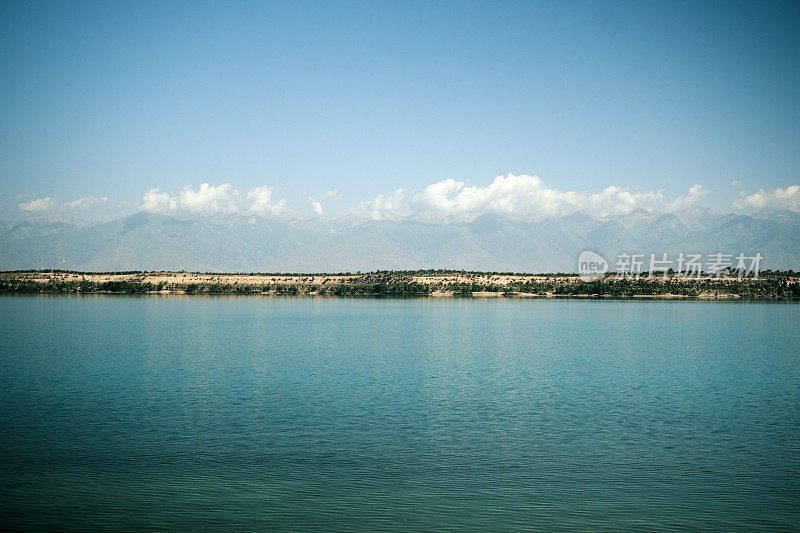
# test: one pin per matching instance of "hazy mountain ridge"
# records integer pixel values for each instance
(148, 241)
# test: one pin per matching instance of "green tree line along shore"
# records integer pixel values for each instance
(770, 284)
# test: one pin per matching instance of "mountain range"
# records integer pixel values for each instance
(150, 241)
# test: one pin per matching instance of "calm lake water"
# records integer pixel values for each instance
(387, 414)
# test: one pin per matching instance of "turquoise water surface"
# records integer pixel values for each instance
(390, 414)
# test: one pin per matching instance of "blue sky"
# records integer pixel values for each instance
(297, 99)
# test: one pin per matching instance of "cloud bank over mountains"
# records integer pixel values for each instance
(513, 223)
(519, 196)
(210, 200)
(526, 195)
(788, 198)
(514, 195)
(51, 206)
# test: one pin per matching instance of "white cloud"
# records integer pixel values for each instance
(155, 200)
(382, 207)
(316, 201)
(222, 199)
(38, 205)
(526, 195)
(516, 195)
(210, 200)
(48, 204)
(734, 183)
(205, 200)
(316, 206)
(695, 196)
(85, 203)
(611, 201)
(788, 198)
(263, 205)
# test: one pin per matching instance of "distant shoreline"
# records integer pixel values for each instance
(445, 297)
(770, 285)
